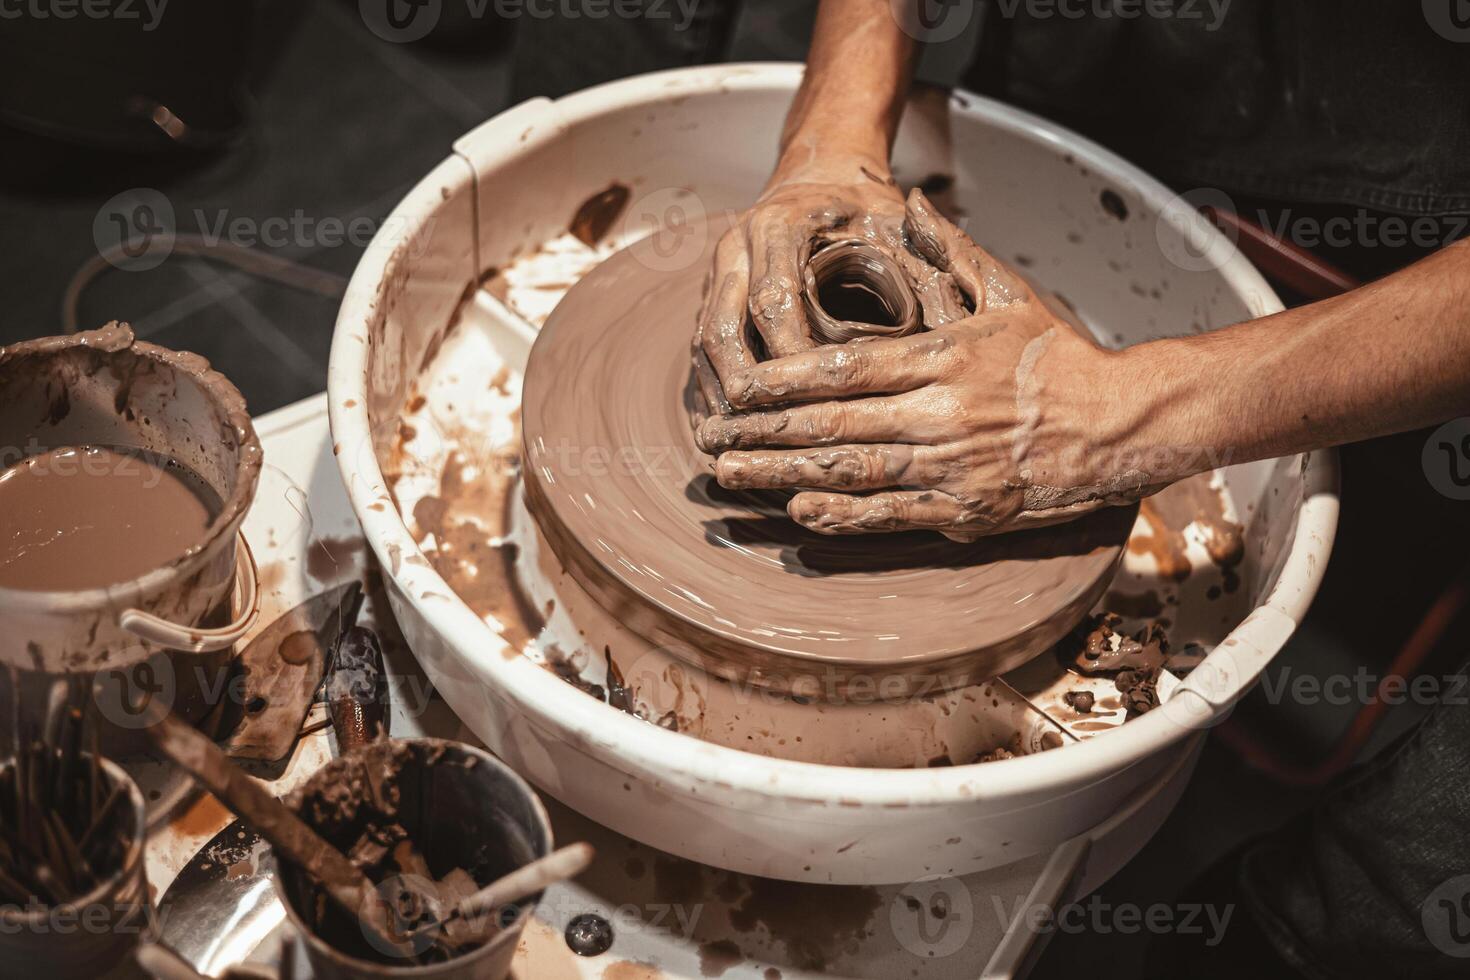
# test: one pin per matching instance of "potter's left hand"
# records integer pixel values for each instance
(1000, 421)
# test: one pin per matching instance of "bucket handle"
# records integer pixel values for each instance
(176, 637)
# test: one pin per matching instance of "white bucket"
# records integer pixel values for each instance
(1032, 193)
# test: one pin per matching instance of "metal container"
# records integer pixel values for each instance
(462, 808)
(167, 634)
(94, 937)
(1124, 252)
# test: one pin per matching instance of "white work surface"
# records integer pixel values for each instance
(672, 918)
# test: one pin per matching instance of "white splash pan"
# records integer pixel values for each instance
(705, 138)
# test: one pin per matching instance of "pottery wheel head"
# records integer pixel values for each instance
(726, 580)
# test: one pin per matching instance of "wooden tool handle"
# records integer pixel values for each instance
(272, 820)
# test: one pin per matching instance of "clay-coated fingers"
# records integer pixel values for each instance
(898, 510)
(838, 371)
(838, 468)
(779, 249)
(986, 281)
(722, 320)
(904, 418)
(711, 394)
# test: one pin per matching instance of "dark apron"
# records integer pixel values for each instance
(1360, 102)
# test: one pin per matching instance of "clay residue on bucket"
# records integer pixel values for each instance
(370, 811)
(103, 352)
(100, 393)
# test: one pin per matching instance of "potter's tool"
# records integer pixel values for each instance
(357, 685)
(727, 580)
(283, 665)
(558, 866)
(287, 833)
(228, 887)
(231, 881)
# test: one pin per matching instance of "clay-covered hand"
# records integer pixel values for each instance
(755, 283)
(1000, 421)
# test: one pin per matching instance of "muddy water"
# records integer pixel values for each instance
(82, 517)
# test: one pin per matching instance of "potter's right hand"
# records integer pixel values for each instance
(760, 262)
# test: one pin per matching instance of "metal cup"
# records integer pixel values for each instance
(93, 937)
(463, 808)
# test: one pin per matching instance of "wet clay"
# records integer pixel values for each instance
(595, 216)
(83, 517)
(1170, 513)
(727, 580)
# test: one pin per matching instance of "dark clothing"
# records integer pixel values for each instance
(558, 53)
(1375, 880)
(1359, 102)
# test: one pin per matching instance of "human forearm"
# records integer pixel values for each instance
(852, 96)
(1389, 357)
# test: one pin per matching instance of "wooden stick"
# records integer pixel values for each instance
(274, 821)
(557, 866)
(542, 873)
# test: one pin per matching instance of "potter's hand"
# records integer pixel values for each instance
(757, 276)
(992, 423)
